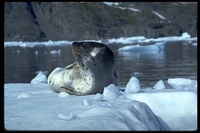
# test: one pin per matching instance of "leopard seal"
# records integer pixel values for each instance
(93, 70)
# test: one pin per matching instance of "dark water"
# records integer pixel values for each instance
(177, 59)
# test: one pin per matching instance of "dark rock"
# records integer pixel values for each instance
(41, 21)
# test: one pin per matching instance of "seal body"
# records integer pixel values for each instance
(93, 70)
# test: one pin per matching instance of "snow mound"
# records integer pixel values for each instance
(133, 85)
(24, 95)
(87, 102)
(71, 116)
(111, 91)
(98, 97)
(63, 95)
(159, 85)
(40, 78)
(182, 83)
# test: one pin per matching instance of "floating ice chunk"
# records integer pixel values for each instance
(36, 52)
(182, 83)
(40, 78)
(55, 52)
(66, 117)
(63, 95)
(24, 95)
(111, 91)
(154, 48)
(87, 102)
(194, 44)
(159, 85)
(185, 35)
(133, 85)
(98, 97)
(137, 74)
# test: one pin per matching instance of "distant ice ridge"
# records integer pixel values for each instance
(122, 40)
(33, 44)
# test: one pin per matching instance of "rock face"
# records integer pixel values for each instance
(41, 21)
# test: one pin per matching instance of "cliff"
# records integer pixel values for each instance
(41, 21)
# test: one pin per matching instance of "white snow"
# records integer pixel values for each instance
(68, 117)
(159, 15)
(98, 97)
(36, 107)
(87, 102)
(24, 95)
(63, 95)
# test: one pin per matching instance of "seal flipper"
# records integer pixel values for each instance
(71, 66)
(69, 90)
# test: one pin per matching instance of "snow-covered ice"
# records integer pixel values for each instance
(36, 107)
